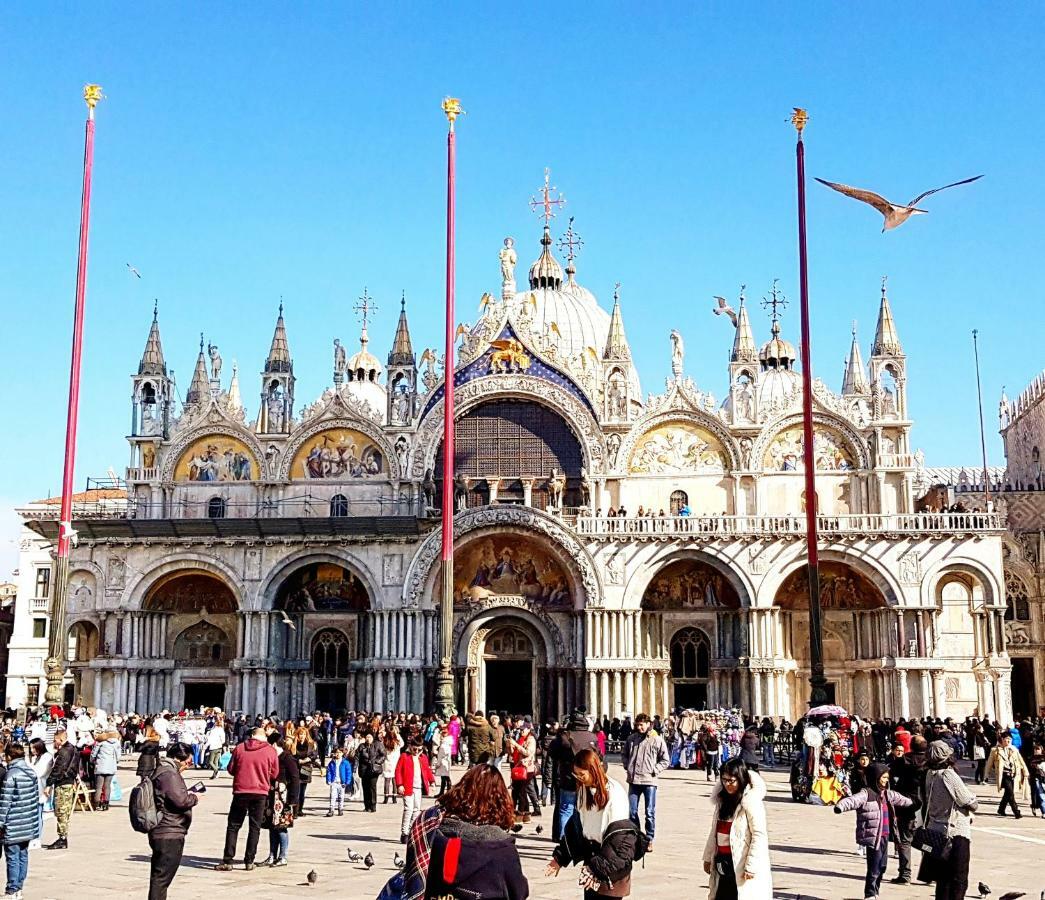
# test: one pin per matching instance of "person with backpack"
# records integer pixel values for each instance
(576, 736)
(601, 838)
(19, 816)
(174, 803)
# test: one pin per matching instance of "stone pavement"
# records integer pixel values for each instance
(812, 851)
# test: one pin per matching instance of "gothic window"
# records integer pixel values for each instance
(679, 499)
(690, 655)
(202, 644)
(1017, 606)
(216, 508)
(330, 655)
(338, 506)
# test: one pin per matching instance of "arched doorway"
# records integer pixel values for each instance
(331, 654)
(690, 667)
(509, 671)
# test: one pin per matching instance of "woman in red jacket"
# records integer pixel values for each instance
(414, 779)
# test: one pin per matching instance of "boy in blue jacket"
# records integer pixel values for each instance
(339, 777)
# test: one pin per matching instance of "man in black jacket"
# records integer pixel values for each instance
(62, 781)
(174, 802)
(906, 776)
(575, 737)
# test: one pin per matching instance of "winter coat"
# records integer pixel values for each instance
(949, 804)
(999, 760)
(564, 749)
(644, 757)
(499, 747)
(253, 767)
(388, 767)
(603, 840)
(20, 804)
(307, 762)
(454, 728)
(289, 774)
(106, 756)
(442, 757)
(749, 745)
(173, 800)
(66, 765)
(868, 806)
(370, 759)
(339, 772)
(405, 774)
(524, 752)
(480, 737)
(474, 861)
(748, 843)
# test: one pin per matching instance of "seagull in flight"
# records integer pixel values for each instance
(287, 620)
(134, 271)
(724, 309)
(895, 214)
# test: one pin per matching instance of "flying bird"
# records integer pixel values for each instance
(134, 271)
(724, 309)
(287, 620)
(312, 877)
(398, 860)
(368, 860)
(895, 215)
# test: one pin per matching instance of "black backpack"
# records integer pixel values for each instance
(142, 808)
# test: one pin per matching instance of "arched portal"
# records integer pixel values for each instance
(509, 670)
(690, 667)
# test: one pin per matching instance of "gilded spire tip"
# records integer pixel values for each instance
(799, 118)
(452, 108)
(92, 93)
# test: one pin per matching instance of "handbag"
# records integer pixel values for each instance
(935, 843)
(519, 772)
(979, 752)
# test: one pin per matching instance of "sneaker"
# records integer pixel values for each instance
(248, 867)
(60, 844)
(330, 814)
(280, 862)
(267, 861)
(223, 867)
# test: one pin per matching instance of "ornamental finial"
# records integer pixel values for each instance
(92, 93)
(452, 108)
(799, 118)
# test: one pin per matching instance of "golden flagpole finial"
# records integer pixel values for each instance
(452, 108)
(92, 93)
(799, 118)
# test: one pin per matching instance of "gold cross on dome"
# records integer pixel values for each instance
(547, 201)
(570, 242)
(776, 301)
(364, 307)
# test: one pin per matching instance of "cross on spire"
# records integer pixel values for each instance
(547, 202)
(775, 302)
(885, 279)
(570, 242)
(616, 292)
(364, 307)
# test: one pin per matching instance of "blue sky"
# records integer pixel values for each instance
(245, 155)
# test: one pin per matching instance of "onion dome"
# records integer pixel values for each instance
(777, 353)
(364, 373)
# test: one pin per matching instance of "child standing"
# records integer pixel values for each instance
(339, 778)
(875, 809)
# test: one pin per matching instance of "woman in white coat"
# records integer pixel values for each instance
(736, 855)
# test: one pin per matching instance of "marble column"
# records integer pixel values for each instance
(629, 692)
(653, 701)
(604, 690)
(665, 686)
(905, 694)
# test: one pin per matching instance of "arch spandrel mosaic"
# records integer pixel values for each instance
(676, 448)
(510, 565)
(339, 454)
(322, 587)
(216, 458)
(784, 453)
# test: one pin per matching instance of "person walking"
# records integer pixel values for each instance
(736, 854)
(1009, 772)
(443, 756)
(523, 750)
(711, 748)
(339, 779)
(875, 807)
(280, 806)
(498, 747)
(574, 738)
(370, 763)
(19, 816)
(767, 732)
(601, 838)
(645, 756)
(414, 780)
(906, 772)
(62, 782)
(215, 743)
(174, 803)
(253, 767)
(479, 736)
(105, 759)
(393, 744)
(41, 761)
(948, 812)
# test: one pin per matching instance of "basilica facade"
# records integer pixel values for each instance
(621, 550)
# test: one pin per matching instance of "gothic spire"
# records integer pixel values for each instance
(279, 353)
(616, 343)
(886, 340)
(402, 351)
(152, 359)
(200, 386)
(744, 348)
(855, 381)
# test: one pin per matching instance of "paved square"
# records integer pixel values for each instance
(813, 851)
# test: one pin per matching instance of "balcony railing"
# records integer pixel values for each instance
(867, 523)
(896, 460)
(38, 604)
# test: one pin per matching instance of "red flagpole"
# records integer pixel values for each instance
(444, 687)
(817, 681)
(55, 665)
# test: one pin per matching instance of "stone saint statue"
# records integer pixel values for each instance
(585, 487)
(215, 361)
(677, 351)
(339, 358)
(508, 259)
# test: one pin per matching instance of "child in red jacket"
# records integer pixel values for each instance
(414, 779)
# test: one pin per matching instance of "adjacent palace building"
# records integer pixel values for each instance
(624, 551)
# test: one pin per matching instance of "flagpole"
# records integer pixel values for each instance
(444, 679)
(57, 644)
(983, 434)
(817, 681)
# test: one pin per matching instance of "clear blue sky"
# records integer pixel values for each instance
(246, 155)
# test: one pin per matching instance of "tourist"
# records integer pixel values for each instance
(393, 744)
(861, 767)
(523, 750)
(253, 767)
(644, 757)
(711, 748)
(443, 756)
(280, 806)
(749, 744)
(41, 761)
(215, 744)
(62, 782)
(1036, 767)
(414, 780)
(471, 852)
(148, 752)
(339, 780)
(308, 762)
(575, 737)
(454, 728)
(551, 731)
(498, 750)
(875, 807)
(370, 763)
(480, 738)
(977, 740)
(105, 758)
(767, 732)
(736, 854)
(601, 838)
(174, 803)
(906, 774)
(19, 816)
(1007, 768)
(948, 810)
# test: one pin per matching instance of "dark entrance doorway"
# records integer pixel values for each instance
(1024, 696)
(829, 693)
(204, 693)
(509, 685)
(691, 696)
(332, 698)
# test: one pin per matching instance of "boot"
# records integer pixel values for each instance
(60, 844)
